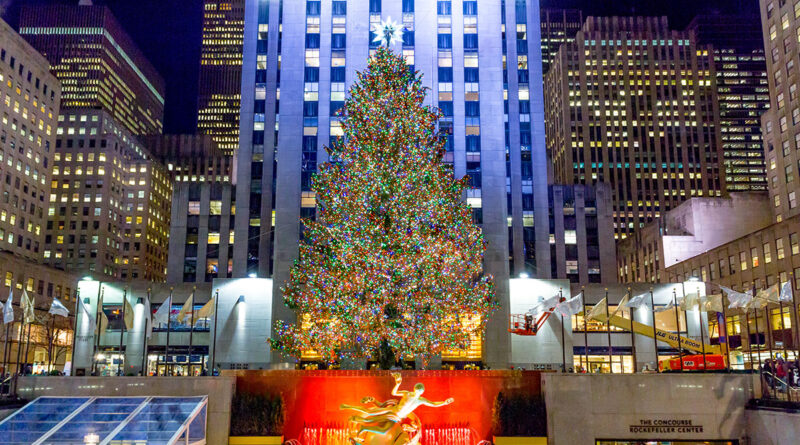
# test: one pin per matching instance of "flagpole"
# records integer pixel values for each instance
(723, 328)
(608, 333)
(685, 312)
(19, 341)
(783, 330)
(633, 336)
(563, 335)
(145, 345)
(655, 332)
(5, 352)
(214, 350)
(769, 339)
(585, 329)
(166, 350)
(758, 333)
(702, 337)
(75, 330)
(50, 345)
(678, 326)
(794, 310)
(28, 345)
(749, 338)
(191, 333)
(120, 369)
(98, 322)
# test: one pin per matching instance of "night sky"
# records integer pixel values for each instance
(169, 32)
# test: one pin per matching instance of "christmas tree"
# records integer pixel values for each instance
(393, 260)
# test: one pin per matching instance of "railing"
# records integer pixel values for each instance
(773, 387)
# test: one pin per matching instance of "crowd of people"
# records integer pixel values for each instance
(779, 374)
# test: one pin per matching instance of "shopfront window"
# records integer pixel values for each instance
(603, 364)
(598, 326)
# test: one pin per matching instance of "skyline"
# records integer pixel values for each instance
(169, 35)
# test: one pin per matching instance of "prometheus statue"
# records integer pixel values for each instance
(392, 422)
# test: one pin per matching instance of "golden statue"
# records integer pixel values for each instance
(392, 422)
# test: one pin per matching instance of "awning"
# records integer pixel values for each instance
(108, 420)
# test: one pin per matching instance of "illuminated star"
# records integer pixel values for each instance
(387, 32)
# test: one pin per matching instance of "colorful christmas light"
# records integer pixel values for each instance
(393, 256)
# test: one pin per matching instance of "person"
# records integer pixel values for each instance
(781, 372)
(528, 322)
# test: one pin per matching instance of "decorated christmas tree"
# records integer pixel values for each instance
(393, 260)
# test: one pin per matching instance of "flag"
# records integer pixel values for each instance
(84, 310)
(185, 314)
(28, 308)
(128, 313)
(690, 301)
(542, 306)
(148, 316)
(770, 294)
(621, 304)
(637, 301)
(162, 314)
(669, 306)
(737, 299)
(8, 309)
(712, 303)
(208, 310)
(566, 308)
(786, 292)
(57, 308)
(600, 308)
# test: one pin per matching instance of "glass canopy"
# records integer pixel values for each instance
(108, 420)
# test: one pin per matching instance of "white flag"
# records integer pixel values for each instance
(638, 301)
(737, 299)
(770, 294)
(570, 307)
(669, 306)
(621, 304)
(712, 303)
(786, 292)
(185, 314)
(57, 308)
(162, 314)
(544, 305)
(600, 308)
(28, 307)
(8, 309)
(690, 301)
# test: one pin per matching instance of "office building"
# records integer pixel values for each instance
(98, 64)
(221, 72)
(743, 94)
(634, 104)
(31, 97)
(191, 158)
(559, 26)
(781, 124)
(110, 201)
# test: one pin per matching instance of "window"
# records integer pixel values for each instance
(794, 242)
(743, 261)
(792, 199)
(780, 250)
(754, 256)
(767, 253)
(732, 264)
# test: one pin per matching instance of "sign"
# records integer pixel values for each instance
(666, 426)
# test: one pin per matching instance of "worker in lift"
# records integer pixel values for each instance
(529, 322)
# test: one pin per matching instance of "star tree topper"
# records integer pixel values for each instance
(388, 32)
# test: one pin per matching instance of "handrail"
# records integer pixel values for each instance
(789, 388)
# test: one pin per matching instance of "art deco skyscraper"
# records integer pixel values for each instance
(97, 63)
(221, 72)
(634, 104)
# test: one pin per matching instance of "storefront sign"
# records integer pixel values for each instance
(666, 426)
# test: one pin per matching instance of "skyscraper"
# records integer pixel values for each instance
(109, 213)
(31, 97)
(559, 26)
(743, 94)
(634, 104)
(221, 72)
(97, 63)
(781, 124)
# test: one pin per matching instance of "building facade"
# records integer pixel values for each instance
(559, 26)
(221, 72)
(98, 64)
(109, 210)
(191, 158)
(781, 125)
(743, 94)
(634, 104)
(31, 98)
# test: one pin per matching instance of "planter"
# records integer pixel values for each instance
(519, 440)
(255, 440)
